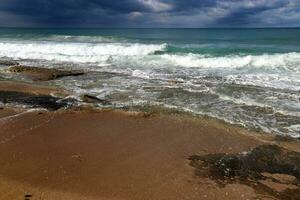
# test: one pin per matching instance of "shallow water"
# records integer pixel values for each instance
(249, 77)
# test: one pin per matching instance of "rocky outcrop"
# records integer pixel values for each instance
(43, 74)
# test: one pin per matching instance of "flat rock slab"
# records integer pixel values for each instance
(35, 101)
(43, 74)
(33, 89)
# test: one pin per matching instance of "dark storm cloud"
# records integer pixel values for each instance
(149, 13)
(249, 13)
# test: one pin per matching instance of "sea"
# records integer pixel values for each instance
(248, 77)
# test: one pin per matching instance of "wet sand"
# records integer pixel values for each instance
(93, 154)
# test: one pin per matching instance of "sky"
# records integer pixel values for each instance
(150, 13)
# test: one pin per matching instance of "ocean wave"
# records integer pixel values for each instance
(142, 54)
(82, 39)
(62, 38)
(226, 49)
(75, 52)
(288, 82)
(287, 61)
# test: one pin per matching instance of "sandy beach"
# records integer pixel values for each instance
(88, 153)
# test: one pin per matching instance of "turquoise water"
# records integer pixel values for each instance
(218, 41)
(249, 77)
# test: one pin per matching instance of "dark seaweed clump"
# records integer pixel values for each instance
(247, 168)
(35, 101)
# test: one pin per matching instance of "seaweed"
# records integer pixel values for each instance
(248, 168)
(35, 101)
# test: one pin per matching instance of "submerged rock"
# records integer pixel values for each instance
(159, 52)
(250, 168)
(43, 74)
(8, 62)
(33, 100)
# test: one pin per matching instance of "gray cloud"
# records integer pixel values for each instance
(149, 13)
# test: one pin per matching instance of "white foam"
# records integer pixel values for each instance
(75, 52)
(138, 54)
(140, 74)
(289, 61)
(278, 81)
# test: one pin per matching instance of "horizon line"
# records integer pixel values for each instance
(291, 27)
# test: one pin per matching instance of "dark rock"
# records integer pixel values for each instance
(159, 52)
(92, 99)
(34, 101)
(43, 74)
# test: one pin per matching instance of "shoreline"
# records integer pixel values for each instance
(89, 102)
(88, 153)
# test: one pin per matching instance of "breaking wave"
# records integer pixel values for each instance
(75, 52)
(289, 61)
(144, 54)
